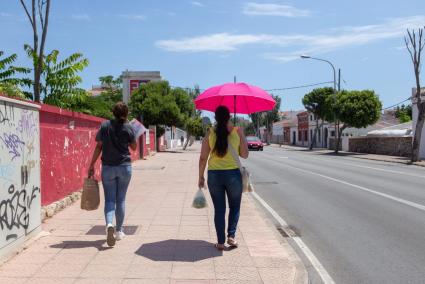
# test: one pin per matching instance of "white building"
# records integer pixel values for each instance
(415, 119)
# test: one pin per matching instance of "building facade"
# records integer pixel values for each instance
(131, 80)
(303, 129)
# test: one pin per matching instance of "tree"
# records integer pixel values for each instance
(404, 113)
(317, 103)
(155, 104)
(415, 45)
(356, 109)
(38, 14)
(271, 117)
(60, 78)
(9, 83)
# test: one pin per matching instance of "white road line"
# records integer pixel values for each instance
(400, 200)
(324, 275)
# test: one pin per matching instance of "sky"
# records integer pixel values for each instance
(208, 42)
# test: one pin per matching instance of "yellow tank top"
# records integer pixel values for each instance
(227, 162)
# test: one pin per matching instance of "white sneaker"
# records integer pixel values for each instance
(119, 235)
(110, 232)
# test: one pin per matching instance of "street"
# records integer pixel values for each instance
(364, 220)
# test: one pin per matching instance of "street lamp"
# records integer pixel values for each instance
(333, 68)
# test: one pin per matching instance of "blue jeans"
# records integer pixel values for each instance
(115, 180)
(220, 184)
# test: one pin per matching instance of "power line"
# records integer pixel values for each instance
(269, 90)
(298, 87)
(397, 104)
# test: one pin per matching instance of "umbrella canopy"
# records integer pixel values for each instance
(238, 97)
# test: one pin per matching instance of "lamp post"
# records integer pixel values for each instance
(334, 71)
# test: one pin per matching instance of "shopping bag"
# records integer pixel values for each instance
(90, 199)
(199, 201)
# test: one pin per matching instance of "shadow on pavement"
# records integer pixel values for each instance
(179, 250)
(82, 244)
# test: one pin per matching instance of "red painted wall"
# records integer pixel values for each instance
(67, 140)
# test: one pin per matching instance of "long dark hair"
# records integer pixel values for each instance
(120, 112)
(222, 117)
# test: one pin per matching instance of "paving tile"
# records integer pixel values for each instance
(71, 258)
(277, 275)
(147, 271)
(19, 270)
(105, 271)
(193, 272)
(237, 273)
(97, 281)
(145, 281)
(32, 258)
(53, 280)
(52, 270)
(191, 281)
(13, 280)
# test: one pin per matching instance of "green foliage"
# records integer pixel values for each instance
(11, 90)
(156, 104)
(194, 127)
(9, 80)
(358, 109)
(60, 78)
(111, 83)
(317, 102)
(404, 113)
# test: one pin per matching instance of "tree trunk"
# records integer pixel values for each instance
(313, 140)
(338, 141)
(418, 133)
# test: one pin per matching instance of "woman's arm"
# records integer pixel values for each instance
(203, 159)
(96, 154)
(243, 146)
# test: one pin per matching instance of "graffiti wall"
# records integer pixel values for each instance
(20, 200)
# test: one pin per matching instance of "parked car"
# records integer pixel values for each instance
(254, 143)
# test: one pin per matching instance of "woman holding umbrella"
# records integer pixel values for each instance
(223, 144)
(224, 176)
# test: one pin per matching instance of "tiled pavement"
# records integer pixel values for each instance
(173, 242)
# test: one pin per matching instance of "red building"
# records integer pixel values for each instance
(302, 128)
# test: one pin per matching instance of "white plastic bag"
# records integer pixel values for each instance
(199, 201)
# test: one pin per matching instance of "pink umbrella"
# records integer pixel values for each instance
(238, 97)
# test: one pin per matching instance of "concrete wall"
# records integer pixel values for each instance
(20, 201)
(394, 146)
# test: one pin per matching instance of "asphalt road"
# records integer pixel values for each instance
(364, 220)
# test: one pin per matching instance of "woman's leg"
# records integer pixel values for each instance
(233, 183)
(109, 183)
(217, 191)
(124, 177)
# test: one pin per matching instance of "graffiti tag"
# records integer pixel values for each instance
(6, 113)
(27, 125)
(13, 143)
(15, 211)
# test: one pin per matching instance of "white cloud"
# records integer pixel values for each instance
(298, 44)
(196, 3)
(2, 14)
(268, 9)
(133, 17)
(81, 17)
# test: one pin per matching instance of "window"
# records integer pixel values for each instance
(305, 135)
(333, 133)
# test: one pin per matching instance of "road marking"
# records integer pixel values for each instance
(324, 275)
(400, 200)
(284, 157)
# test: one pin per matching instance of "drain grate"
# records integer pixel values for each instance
(282, 232)
(265, 182)
(100, 230)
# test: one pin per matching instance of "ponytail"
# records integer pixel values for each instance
(222, 117)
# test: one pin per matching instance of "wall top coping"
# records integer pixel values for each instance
(20, 102)
(69, 113)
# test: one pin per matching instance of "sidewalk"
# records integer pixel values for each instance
(171, 241)
(365, 156)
